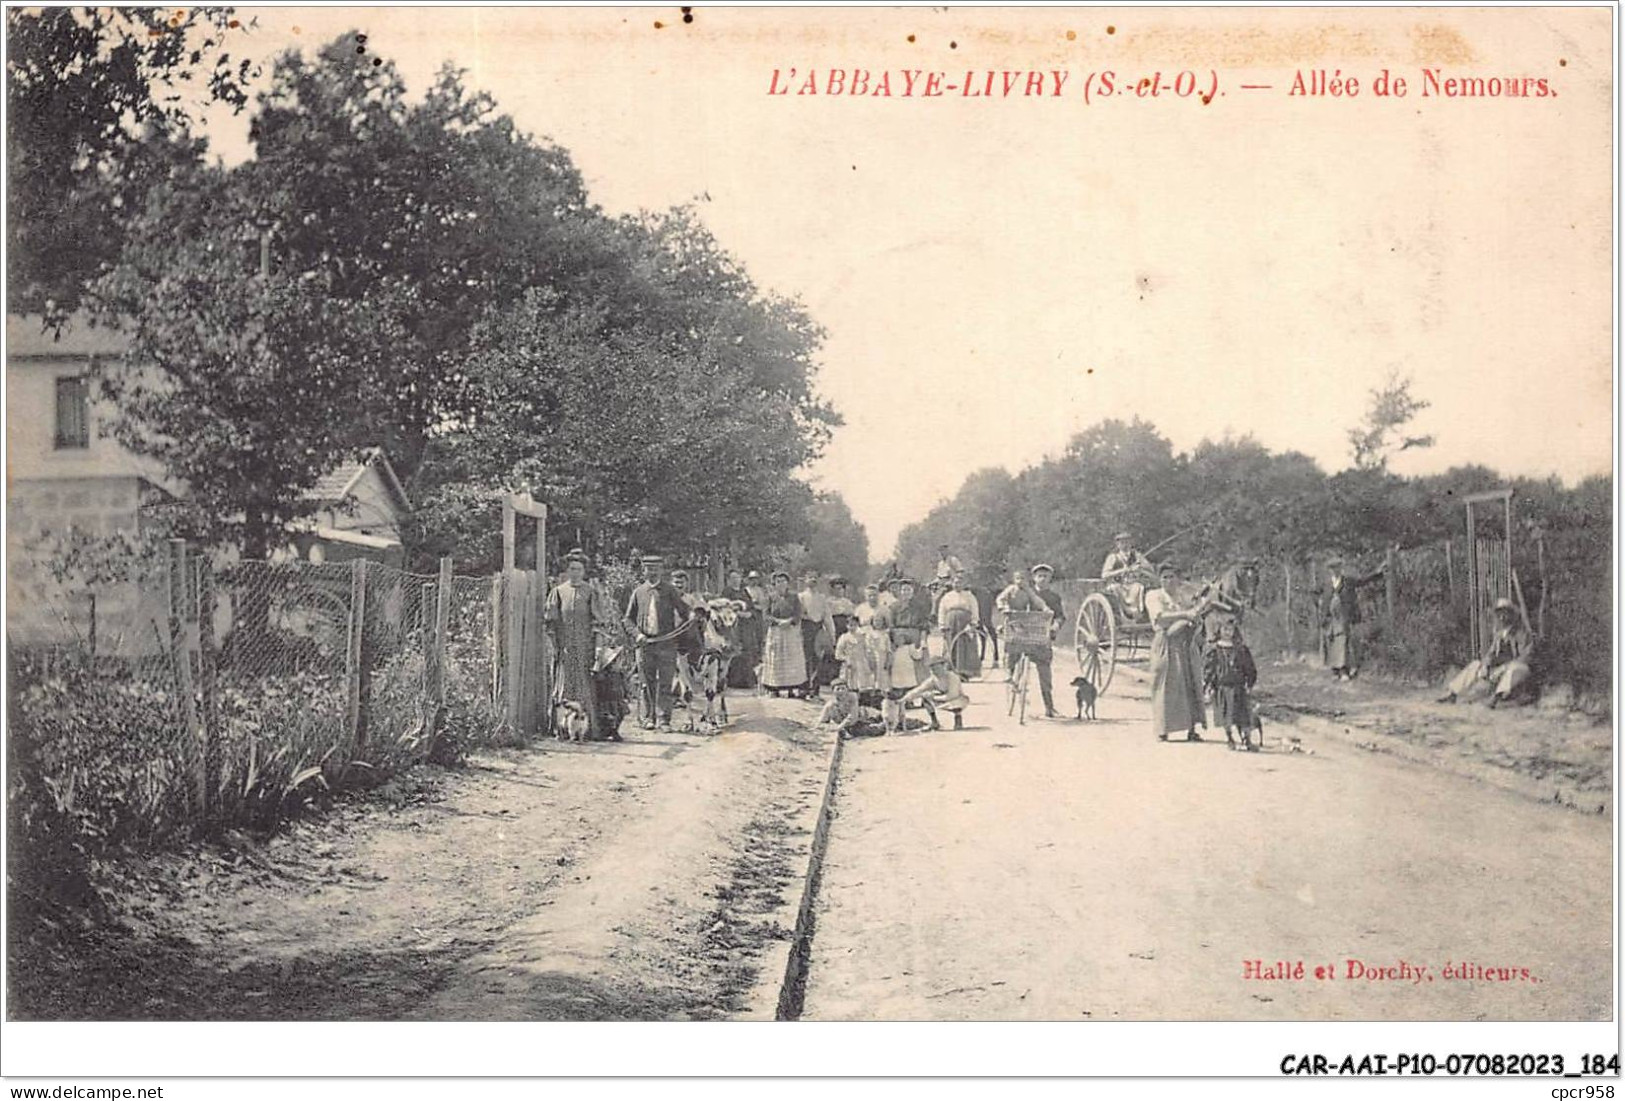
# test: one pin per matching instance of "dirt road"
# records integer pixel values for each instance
(651, 879)
(1065, 871)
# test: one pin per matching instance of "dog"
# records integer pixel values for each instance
(1086, 696)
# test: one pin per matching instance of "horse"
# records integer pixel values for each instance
(1228, 596)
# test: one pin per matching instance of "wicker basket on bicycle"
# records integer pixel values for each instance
(1028, 628)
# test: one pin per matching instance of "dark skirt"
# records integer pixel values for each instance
(1232, 707)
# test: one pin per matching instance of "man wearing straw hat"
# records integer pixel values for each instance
(1504, 666)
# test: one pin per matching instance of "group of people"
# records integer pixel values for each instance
(874, 652)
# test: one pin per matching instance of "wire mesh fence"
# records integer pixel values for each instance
(196, 692)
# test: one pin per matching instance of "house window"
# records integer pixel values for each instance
(72, 412)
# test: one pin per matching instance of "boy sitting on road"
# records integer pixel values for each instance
(941, 689)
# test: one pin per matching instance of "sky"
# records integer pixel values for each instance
(997, 275)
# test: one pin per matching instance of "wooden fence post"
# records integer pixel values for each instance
(496, 644)
(1449, 575)
(538, 610)
(442, 623)
(206, 673)
(354, 656)
(1291, 624)
(182, 659)
(1539, 551)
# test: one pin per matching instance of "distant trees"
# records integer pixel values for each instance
(440, 283)
(1222, 500)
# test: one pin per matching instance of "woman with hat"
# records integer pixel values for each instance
(784, 656)
(574, 609)
(1176, 687)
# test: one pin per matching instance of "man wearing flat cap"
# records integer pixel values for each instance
(1504, 666)
(654, 613)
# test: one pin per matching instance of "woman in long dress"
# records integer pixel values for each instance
(1176, 688)
(784, 657)
(956, 612)
(574, 608)
(909, 622)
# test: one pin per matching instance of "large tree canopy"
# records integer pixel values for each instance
(98, 105)
(439, 283)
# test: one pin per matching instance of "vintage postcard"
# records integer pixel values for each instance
(879, 514)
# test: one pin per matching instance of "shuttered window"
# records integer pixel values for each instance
(72, 413)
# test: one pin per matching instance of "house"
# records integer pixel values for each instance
(65, 471)
(361, 506)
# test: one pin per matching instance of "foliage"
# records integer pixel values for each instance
(1233, 498)
(441, 285)
(1392, 408)
(98, 112)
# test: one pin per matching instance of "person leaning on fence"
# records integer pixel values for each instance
(573, 612)
(654, 612)
(1505, 666)
(1339, 614)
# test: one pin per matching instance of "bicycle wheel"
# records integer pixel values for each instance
(1012, 687)
(1021, 706)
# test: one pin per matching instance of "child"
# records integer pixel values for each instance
(940, 689)
(849, 716)
(1228, 671)
(865, 656)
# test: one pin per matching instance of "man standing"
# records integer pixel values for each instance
(1034, 597)
(817, 630)
(1339, 613)
(653, 614)
(947, 564)
(1504, 666)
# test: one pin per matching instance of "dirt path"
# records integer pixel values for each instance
(638, 880)
(1069, 871)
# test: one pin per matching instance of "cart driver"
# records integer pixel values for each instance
(1124, 572)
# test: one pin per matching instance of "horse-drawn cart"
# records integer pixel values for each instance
(1111, 625)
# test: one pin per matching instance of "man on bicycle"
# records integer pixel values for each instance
(1034, 596)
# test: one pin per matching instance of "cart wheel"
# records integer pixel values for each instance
(1096, 640)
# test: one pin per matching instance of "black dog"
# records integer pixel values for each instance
(1086, 696)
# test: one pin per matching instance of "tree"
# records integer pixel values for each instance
(1381, 434)
(246, 387)
(97, 114)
